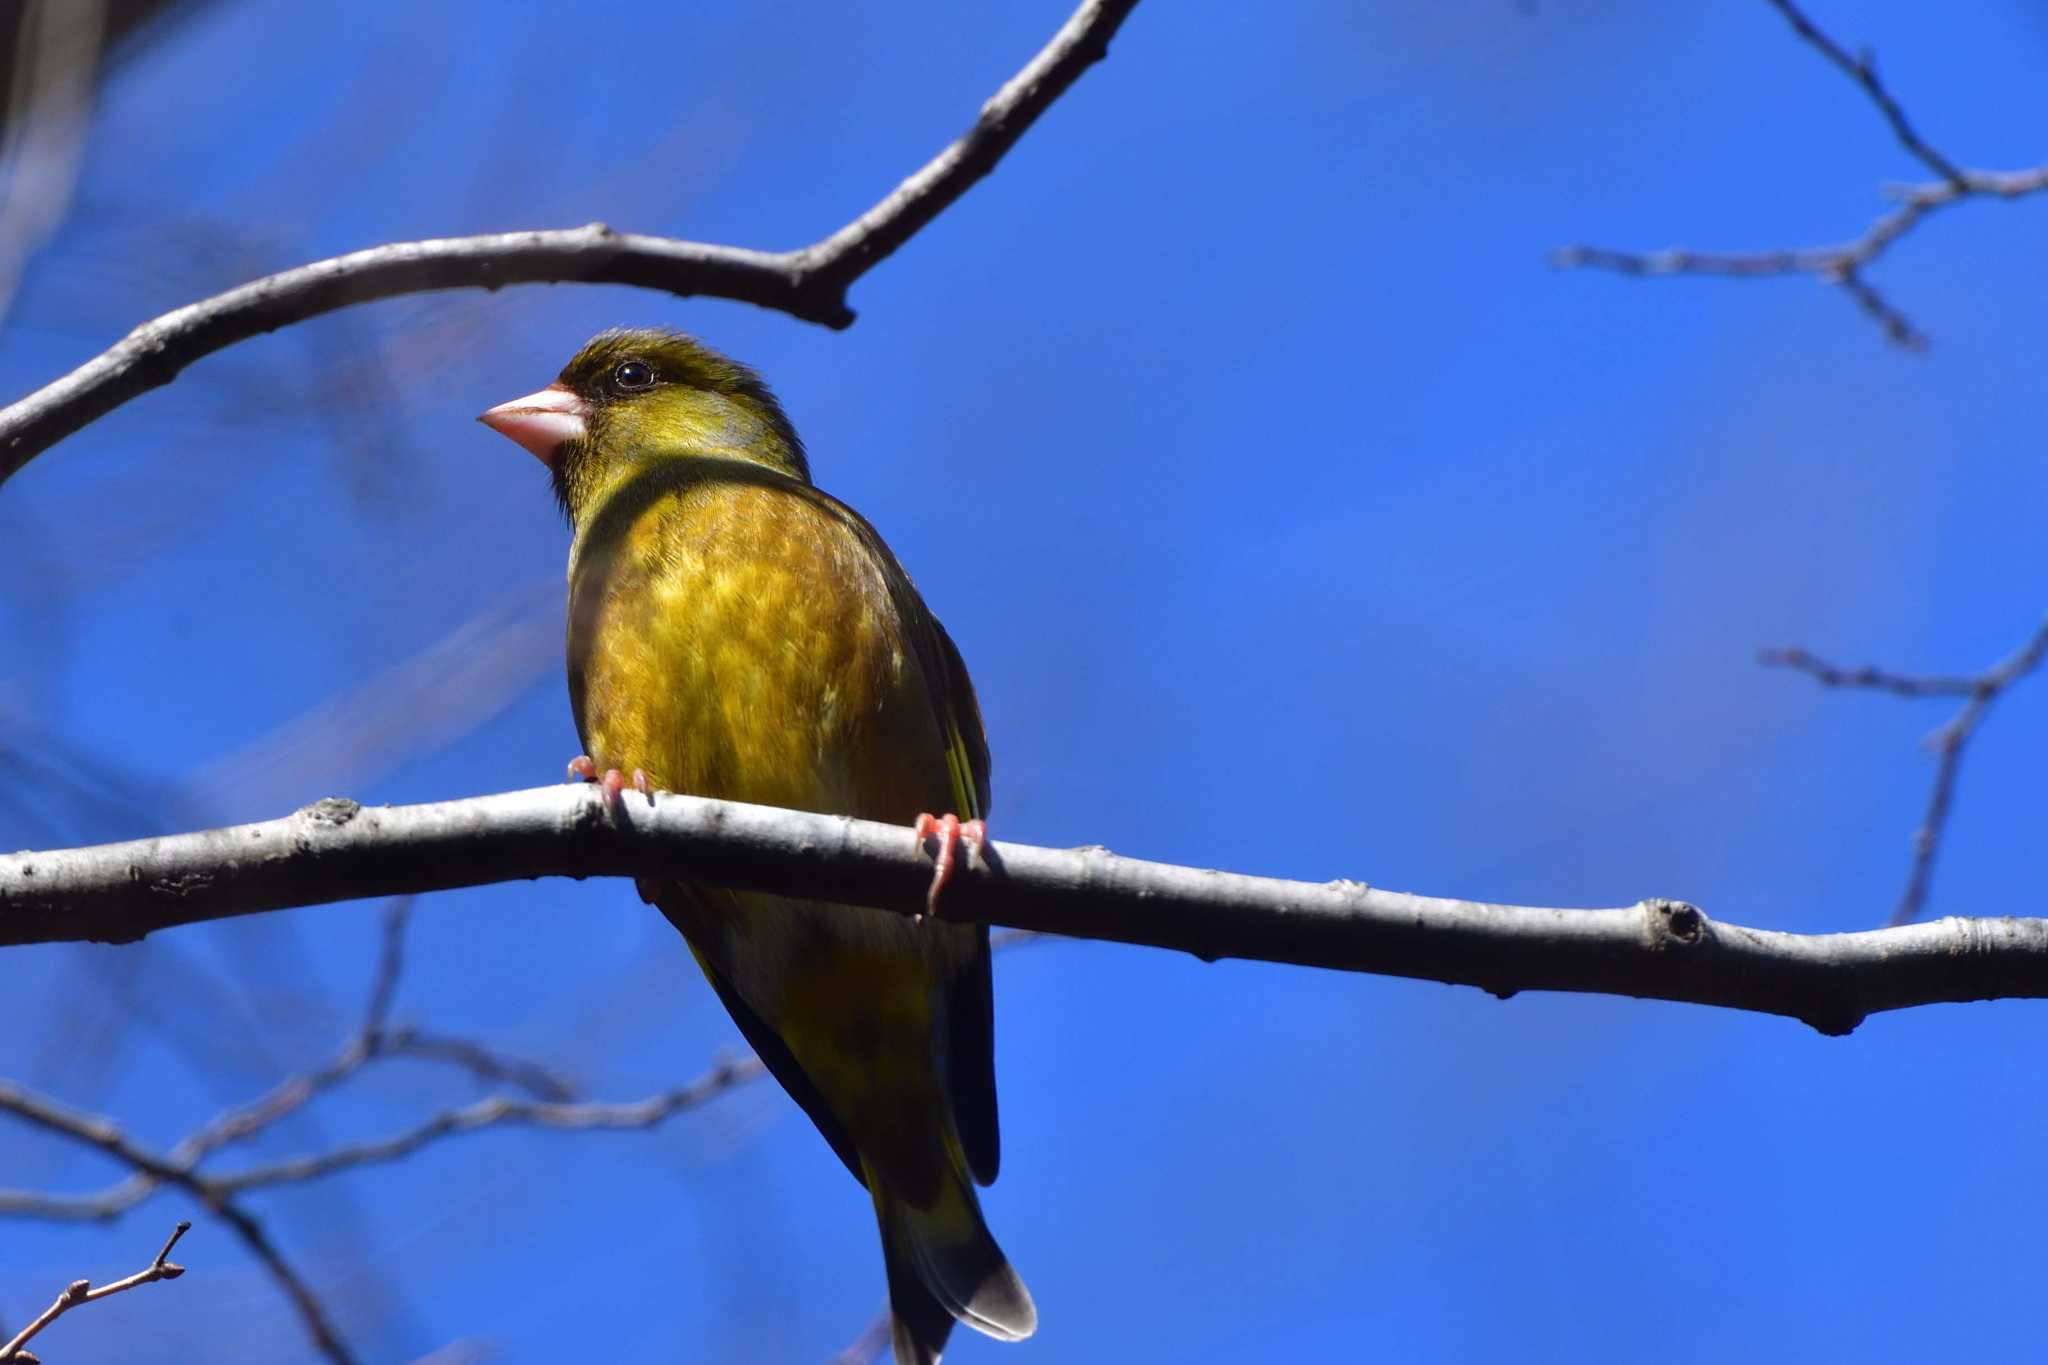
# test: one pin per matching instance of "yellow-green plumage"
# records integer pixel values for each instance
(735, 632)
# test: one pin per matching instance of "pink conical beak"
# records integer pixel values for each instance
(541, 421)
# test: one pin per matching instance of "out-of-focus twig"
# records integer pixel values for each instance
(1842, 264)
(499, 1110)
(56, 66)
(1979, 690)
(107, 1137)
(82, 1292)
(552, 1105)
(1862, 69)
(375, 1040)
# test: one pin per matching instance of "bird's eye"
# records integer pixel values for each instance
(633, 375)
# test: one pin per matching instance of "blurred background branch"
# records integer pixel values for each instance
(1978, 690)
(374, 1041)
(550, 1101)
(1843, 264)
(51, 60)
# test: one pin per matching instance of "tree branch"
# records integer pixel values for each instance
(1979, 690)
(809, 283)
(1862, 69)
(81, 1292)
(108, 1138)
(336, 850)
(1844, 263)
(497, 1111)
(374, 1039)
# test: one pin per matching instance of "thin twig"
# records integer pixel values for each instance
(1862, 69)
(1980, 690)
(557, 1109)
(105, 1135)
(1869, 676)
(390, 962)
(1844, 263)
(499, 1111)
(81, 1292)
(484, 1063)
(809, 283)
(285, 1098)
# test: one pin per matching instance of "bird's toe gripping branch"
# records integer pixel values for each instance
(947, 832)
(583, 769)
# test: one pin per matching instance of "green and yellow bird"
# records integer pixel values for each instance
(735, 632)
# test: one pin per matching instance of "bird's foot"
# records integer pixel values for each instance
(614, 782)
(949, 831)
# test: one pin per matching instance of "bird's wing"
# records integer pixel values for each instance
(678, 903)
(970, 1040)
(971, 1048)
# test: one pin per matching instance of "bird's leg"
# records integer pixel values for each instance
(614, 782)
(950, 831)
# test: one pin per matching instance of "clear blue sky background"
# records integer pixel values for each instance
(1294, 518)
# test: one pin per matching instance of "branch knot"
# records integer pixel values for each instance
(1673, 924)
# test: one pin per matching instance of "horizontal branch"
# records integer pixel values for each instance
(499, 1111)
(809, 283)
(336, 850)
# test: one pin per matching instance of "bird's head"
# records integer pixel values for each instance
(631, 396)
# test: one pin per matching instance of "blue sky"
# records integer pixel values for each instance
(1293, 516)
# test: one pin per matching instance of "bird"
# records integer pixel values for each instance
(736, 632)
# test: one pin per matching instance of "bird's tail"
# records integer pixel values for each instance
(944, 1265)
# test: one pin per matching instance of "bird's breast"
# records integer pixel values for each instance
(741, 641)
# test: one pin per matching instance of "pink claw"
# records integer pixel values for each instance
(614, 782)
(582, 769)
(950, 831)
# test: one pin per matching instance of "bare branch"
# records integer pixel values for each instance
(1081, 42)
(495, 1112)
(280, 1101)
(557, 1109)
(1862, 69)
(1656, 949)
(1868, 676)
(390, 962)
(81, 1292)
(1844, 263)
(484, 1063)
(105, 1135)
(809, 283)
(216, 1192)
(1980, 690)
